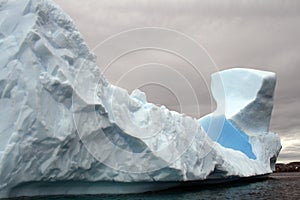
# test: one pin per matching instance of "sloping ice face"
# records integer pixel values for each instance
(64, 129)
(229, 136)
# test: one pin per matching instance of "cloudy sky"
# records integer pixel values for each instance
(249, 33)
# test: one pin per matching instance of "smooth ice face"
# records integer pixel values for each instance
(245, 97)
(67, 130)
(229, 136)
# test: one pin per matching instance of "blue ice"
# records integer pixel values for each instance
(226, 134)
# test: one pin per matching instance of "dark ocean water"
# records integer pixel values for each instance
(278, 186)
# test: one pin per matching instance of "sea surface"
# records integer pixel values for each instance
(278, 186)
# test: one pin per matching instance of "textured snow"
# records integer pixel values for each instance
(65, 129)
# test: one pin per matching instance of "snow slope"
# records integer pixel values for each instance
(65, 129)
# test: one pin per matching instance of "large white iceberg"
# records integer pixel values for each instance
(65, 129)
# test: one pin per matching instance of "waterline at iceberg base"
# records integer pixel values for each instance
(65, 129)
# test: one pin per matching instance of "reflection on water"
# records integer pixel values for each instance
(278, 186)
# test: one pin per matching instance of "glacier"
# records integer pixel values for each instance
(65, 129)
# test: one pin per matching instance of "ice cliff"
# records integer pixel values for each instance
(64, 129)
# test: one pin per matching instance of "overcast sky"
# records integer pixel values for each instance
(249, 33)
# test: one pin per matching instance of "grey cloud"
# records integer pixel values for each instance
(290, 153)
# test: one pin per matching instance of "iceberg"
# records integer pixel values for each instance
(244, 106)
(65, 130)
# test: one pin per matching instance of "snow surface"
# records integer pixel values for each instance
(65, 129)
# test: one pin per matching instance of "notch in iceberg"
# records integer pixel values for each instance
(229, 136)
